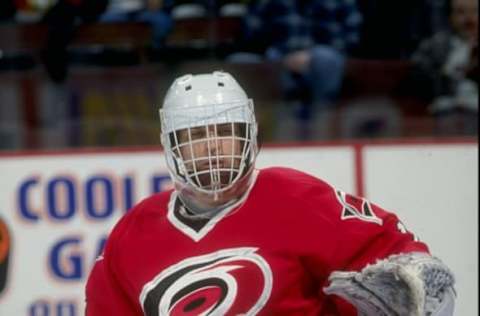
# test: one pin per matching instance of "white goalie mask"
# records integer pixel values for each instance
(209, 134)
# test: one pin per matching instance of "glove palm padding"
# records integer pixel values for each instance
(402, 285)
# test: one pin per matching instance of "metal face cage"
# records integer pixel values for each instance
(210, 147)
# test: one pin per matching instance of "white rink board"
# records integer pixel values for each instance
(334, 164)
(434, 189)
(35, 281)
(31, 280)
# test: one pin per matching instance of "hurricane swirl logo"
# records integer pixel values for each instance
(227, 282)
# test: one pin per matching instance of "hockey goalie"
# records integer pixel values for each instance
(231, 239)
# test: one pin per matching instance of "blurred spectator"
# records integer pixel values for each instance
(187, 9)
(446, 65)
(393, 29)
(310, 39)
(231, 7)
(31, 11)
(62, 20)
(154, 12)
(7, 10)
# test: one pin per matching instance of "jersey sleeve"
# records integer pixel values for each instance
(330, 230)
(345, 232)
(368, 233)
(108, 289)
(103, 295)
(359, 233)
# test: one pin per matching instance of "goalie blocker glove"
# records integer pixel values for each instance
(413, 284)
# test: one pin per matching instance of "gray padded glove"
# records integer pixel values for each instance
(413, 284)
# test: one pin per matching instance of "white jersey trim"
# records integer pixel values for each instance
(193, 234)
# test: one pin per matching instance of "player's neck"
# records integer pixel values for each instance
(202, 207)
(193, 210)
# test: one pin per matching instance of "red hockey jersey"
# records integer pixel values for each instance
(269, 254)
